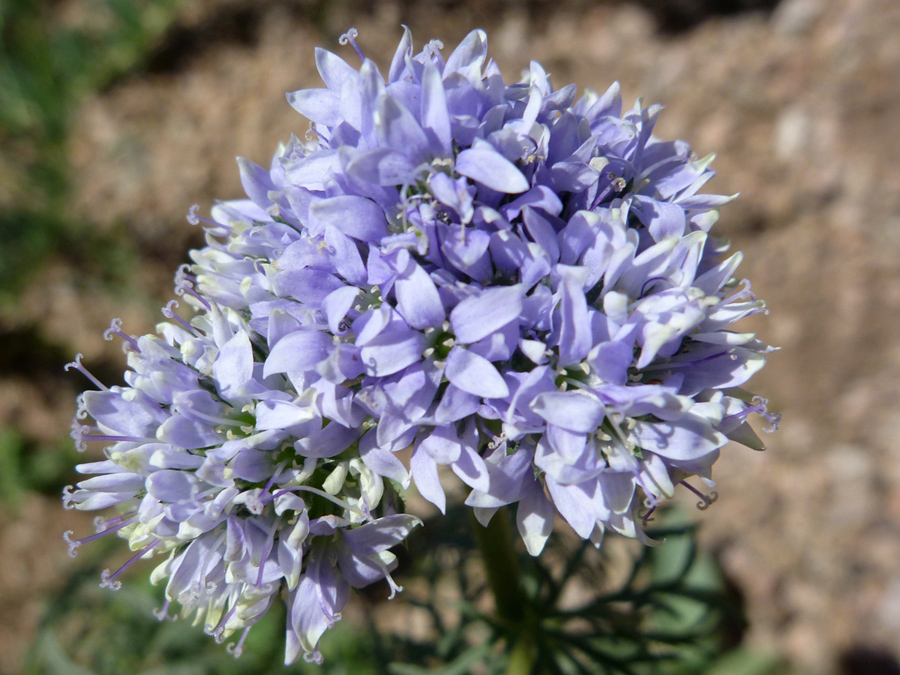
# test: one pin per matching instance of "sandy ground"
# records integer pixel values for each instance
(802, 107)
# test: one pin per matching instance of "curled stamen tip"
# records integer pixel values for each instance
(73, 543)
(106, 581)
(68, 499)
(313, 657)
(348, 36)
(81, 412)
(115, 326)
(707, 501)
(74, 364)
(162, 614)
(77, 434)
(235, 650)
(192, 216)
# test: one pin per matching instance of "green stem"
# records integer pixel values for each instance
(498, 551)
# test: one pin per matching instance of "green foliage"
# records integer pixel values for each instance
(672, 615)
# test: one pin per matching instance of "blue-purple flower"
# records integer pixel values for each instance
(516, 283)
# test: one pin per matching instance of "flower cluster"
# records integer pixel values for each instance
(516, 284)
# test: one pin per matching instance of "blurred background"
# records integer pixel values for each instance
(117, 115)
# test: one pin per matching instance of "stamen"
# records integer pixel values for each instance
(312, 134)
(184, 283)
(170, 314)
(115, 328)
(218, 631)
(162, 614)
(212, 419)
(433, 47)
(101, 523)
(760, 407)
(194, 219)
(68, 499)
(81, 413)
(77, 365)
(497, 441)
(108, 580)
(314, 656)
(81, 435)
(77, 434)
(395, 587)
(75, 543)
(350, 38)
(237, 649)
(646, 518)
(705, 500)
(276, 474)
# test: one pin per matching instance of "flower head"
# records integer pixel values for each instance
(518, 283)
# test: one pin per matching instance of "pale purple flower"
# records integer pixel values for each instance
(214, 463)
(517, 283)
